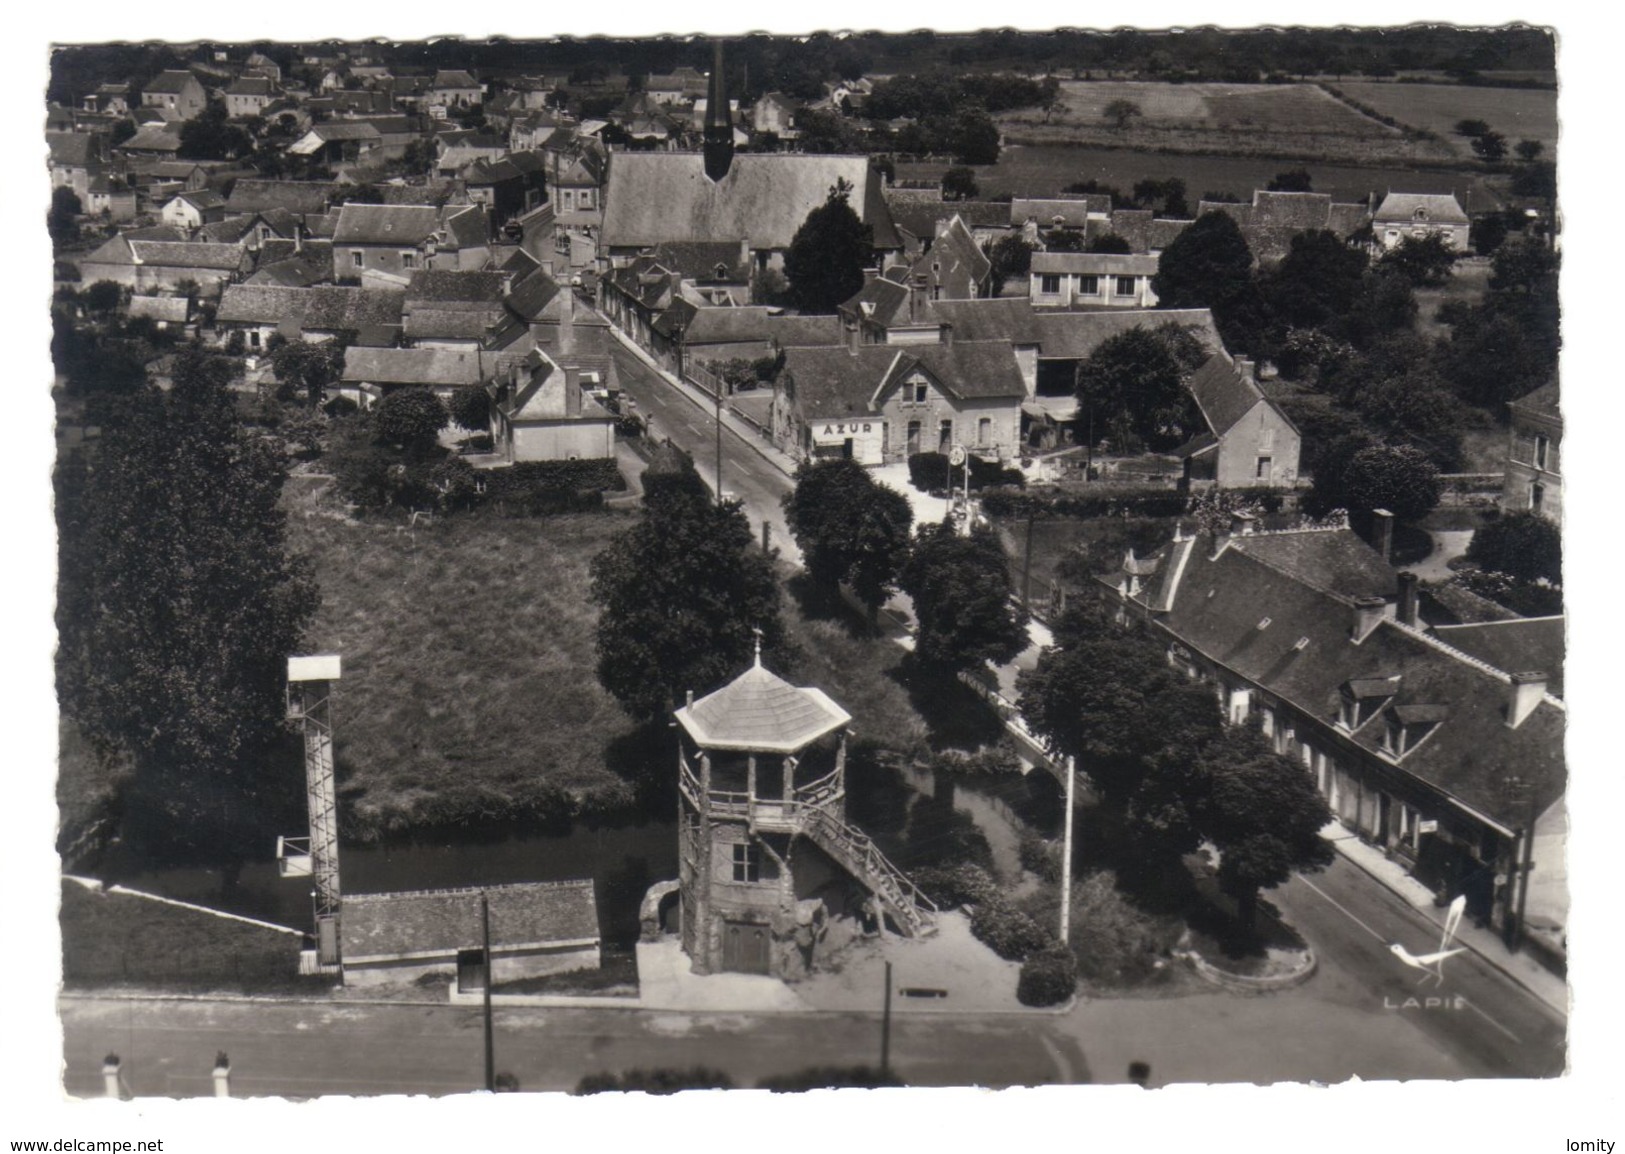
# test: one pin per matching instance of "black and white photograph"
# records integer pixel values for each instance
(615, 573)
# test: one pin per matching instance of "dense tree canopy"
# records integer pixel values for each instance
(961, 591)
(827, 255)
(1210, 266)
(179, 602)
(1317, 281)
(850, 529)
(1398, 478)
(1134, 385)
(1012, 259)
(411, 418)
(1426, 260)
(1523, 545)
(679, 594)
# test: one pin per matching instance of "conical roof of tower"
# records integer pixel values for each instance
(759, 710)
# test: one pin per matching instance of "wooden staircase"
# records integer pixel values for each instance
(914, 913)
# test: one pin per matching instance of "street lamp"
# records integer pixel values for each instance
(1520, 793)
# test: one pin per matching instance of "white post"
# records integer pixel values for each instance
(110, 1078)
(1066, 855)
(222, 1076)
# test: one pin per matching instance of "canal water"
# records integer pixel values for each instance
(623, 858)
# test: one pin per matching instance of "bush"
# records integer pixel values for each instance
(535, 488)
(660, 1080)
(471, 408)
(829, 1078)
(1048, 978)
(235, 344)
(953, 886)
(1039, 856)
(411, 417)
(1523, 545)
(341, 407)
(1007, 931)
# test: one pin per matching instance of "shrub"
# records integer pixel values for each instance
(951, 886)
(931, 473)
(1048, 978)
(1007, 931)
(341, 407)
(471, 408)
(1039, 856)
(411, 417)
(659, 1080)
(235, 344)
(828, 1078)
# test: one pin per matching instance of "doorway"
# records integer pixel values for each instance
(744, 948)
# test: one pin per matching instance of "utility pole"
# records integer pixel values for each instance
(1027, 565)
(716, 384)
(885, 1027)
(1066, 853)
(490, 1051)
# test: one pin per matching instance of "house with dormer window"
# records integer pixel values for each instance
(1445, 750)
(1416, 215)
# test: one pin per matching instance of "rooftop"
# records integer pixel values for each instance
(759, 710)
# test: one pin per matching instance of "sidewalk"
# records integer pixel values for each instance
(1487, 944)
(703, 400)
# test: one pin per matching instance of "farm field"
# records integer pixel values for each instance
(1043, 170)
(1516, 113)
(1240, 119)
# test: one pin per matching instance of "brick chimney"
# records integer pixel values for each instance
(1382, 532)
(916, 298)
(1407, 599)
(1527, 690)
(1367, 612)
(854, 337)
(567, 320)
(1244, 366)
(1241, 524)
(572, 392)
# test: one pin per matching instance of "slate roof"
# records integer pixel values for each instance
(542, 393)
(449, 288)
(419, 323)
(428, 367)
(1334, 561)
(724, 325)
(170, 82)
(321, 308)
(880, 300)
(188, 254)
(838, 381)
(153, 138)
(202, 199)
(698, 260)
(1162, 232)
(1441, 207)
(438, 923)
(228, 231)
(1543, 402)
(1134, 226)
(251, 85)
(1094, 263)
(171, 309)
(385, 224)
(454, 78)
(1063, 334)
(531, 295)
(758, 710)
(280, 265)
(1514, 646)
(655, 197)
(804, 331)
(957, 254)
(1073, 211)
(74, 149)
(1216, 608)
(1223, 393)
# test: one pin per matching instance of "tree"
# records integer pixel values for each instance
(62, 222)
(1524, 545)
(1134, 384)
(679, 594)
(1491, 147)
(1118, 113)
(1471, 128)
(411, 418)
(975, 137)
(103, 298)
(959, 183)
(1529, 150)
(210, 137)
(1399, 478)
(1426, 260)
(312, 367)
(850, 529)
(1263, 813)
(1109, 242)
(471, 409)
(1292, 180)
(179, 601)
(827, 255)
(1210, 266)
(1317, 281)
(1416, 407)
(961, 591)
(1011, 258)
(1537, 180)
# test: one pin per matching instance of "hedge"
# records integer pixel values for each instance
(1048, 978)
(1007, 931)
(1144, 502)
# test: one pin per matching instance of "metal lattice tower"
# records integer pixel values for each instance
(309, 693)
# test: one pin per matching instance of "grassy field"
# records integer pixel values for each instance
(1237, 119)
(468, 658)
(1516, 113)
(118, 939)
(1044, 170)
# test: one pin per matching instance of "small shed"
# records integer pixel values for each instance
(537, 928)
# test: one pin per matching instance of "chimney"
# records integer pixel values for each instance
(1527, 690)
(853, 337)
(871, 274)
(567, 319)
(946, 334)
(916, 298)
(299, 236)
(1407, 598)
(1367, 612)
(1241, 524)
(1382, 532)
(1244, 366)
(572, 392)
(744, 251)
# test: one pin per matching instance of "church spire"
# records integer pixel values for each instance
(719, 131)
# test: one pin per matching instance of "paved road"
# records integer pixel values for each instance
(1491, 1025)
(745, 475)
(282, 1049)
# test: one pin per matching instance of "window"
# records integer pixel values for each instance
(1125, 286)
(945, 436)
(409, 260)
(1263, 473)
(1049, 285)
(584, 199)
(984, 431)
(254, 338)
(747, 863)
(921, 392)
(1541, 445)
(356, 258)
(1089, 286)
(1537, 496)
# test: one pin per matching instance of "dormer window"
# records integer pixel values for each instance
(1360, 699)
(1420, 214)
(1407, 726)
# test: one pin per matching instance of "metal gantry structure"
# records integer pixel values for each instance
(310, 686)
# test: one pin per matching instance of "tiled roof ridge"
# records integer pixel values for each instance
(567, 883)
(1479, 663)
(1274, 568)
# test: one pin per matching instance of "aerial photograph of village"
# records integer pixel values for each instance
(763, 561)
